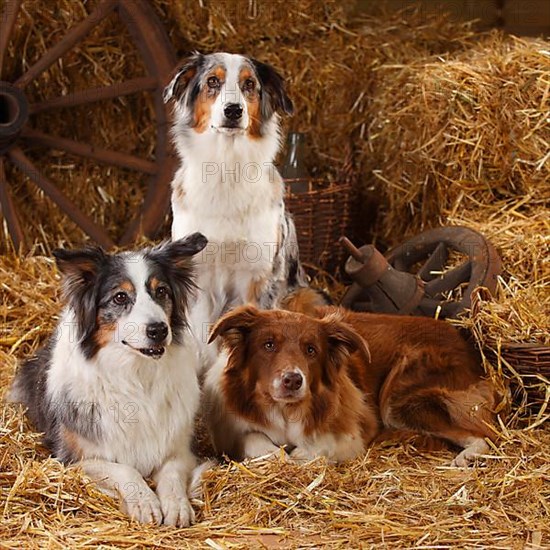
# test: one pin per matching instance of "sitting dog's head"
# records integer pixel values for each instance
(135, 301)
(227, 93)
(284, 357)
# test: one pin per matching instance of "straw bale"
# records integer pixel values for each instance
(470, 127)
(517, 317)
(520, 231)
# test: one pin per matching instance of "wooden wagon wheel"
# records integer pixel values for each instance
(480, 268)
(394, 284)
(17, 131)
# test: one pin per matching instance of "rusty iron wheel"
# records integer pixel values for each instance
(480, 268)
(17, 131)
(426, 256)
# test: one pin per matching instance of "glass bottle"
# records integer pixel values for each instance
(294, 170)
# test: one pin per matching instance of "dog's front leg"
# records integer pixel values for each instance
(172, 480)
(119, 480)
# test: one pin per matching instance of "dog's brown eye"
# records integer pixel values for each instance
(161, 292)
(311, 351)
(249, 85)
(120, 298)
(213, 82)
(270, 345)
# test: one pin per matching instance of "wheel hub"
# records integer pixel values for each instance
(14, 113)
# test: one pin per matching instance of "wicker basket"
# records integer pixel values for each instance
(321, 215)
(532, 363)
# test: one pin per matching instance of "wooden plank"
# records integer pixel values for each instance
(527, 17)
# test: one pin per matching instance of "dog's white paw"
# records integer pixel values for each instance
(177, 511)
(476, 447)
(463, 459)
(145, 509)
(302, 454)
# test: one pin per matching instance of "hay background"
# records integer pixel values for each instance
(377, 77)
(483, 137)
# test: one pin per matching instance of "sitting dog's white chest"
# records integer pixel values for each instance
(241, 213)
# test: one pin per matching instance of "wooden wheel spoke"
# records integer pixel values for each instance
(105, 156)
(449, 280)
(75, 34)
(8, 210)
(91, 228)
(149, 38)
(155, 205)
(434, 263)
(91, 95)
(7, 21)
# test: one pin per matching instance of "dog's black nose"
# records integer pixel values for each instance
(292, 381)
(157, 332)
(233, 111)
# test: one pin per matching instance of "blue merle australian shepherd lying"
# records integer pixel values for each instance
(116, 390)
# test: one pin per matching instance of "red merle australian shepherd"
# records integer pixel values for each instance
(329, 386)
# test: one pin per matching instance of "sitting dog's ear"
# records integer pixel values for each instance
(183, 75)
(233, 326)
(175, 258)
(273, 93)
(343, 340)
